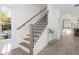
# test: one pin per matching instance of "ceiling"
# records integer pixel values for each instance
(67, 8)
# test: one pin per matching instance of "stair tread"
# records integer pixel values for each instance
(18, 51)
(25, 45)
(42, 23)
(39, 25)
(36, 35)
(27, 39)
(37, 28)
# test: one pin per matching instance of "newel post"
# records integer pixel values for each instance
(31, 38)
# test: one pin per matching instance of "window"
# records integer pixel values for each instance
(5, 22)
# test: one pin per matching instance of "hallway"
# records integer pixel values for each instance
(67, 45)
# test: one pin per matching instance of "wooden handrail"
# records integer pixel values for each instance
(31, 18)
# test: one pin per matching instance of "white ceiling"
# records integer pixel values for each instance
(67, 9)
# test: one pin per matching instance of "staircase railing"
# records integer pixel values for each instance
(31, 19)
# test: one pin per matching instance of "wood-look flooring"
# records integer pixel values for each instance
(67, 45)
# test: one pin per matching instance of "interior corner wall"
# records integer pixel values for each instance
(55, 21)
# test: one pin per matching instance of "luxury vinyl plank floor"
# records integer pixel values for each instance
(67, 45)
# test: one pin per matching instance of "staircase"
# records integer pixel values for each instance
(25, 47)
(38, 28)
(35, 31)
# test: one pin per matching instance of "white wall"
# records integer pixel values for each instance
(55, 21)
(20, 14)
